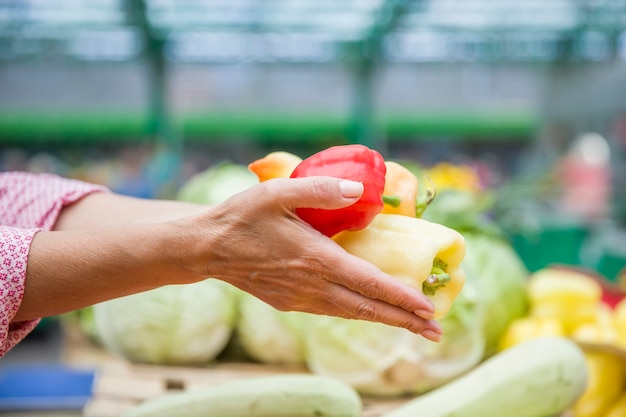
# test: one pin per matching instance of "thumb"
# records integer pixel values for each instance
(319, 192)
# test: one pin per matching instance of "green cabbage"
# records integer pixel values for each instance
(217, 183)
(268, 335)
(176, 324)
(500, 275)
(381, 360)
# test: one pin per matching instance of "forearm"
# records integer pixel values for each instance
(104, 246)
(106, 209)
(68, 270)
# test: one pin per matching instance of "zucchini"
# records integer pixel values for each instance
(288, 395)
(538, 378)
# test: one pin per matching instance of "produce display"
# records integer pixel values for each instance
(514, 343)
(573, 304)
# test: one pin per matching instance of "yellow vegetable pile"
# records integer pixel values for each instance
(456, 177)
(568, 303)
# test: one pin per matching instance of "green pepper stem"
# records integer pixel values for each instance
(437, 279)
(392, 200)
(426, 198)
(434, 282)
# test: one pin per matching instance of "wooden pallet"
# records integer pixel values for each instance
(121, 386)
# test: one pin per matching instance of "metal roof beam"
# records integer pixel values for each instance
(160, 125)
(385, 20)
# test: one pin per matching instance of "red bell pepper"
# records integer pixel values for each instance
(352, 162)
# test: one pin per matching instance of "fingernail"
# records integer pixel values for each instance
(425, 314)
(431, 335)
(350, 189)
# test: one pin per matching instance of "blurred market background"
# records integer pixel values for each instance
(142, 94)
(522, 100)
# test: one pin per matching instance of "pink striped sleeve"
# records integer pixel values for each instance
(28, 203)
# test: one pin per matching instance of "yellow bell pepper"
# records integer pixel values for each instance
(618, 408)
(424, 255)
(527, 328)
(277, 164)
(565, 295)
(604, 386)
(402, 184)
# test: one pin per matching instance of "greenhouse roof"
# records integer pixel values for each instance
(315, 30)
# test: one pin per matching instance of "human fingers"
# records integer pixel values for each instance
(336, 300)
(369, 281)
(349, 304)
(315, 192)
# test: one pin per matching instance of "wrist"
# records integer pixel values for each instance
(184, 244)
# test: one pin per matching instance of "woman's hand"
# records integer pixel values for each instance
(107, 246)
(256, 242)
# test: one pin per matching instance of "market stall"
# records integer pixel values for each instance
(501, 129)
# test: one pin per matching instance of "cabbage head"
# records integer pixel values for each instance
(269, 335)
(175, 325)
(500, 276)
(381, 360)
(217, 183)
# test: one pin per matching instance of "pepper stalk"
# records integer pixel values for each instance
(437, 279)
